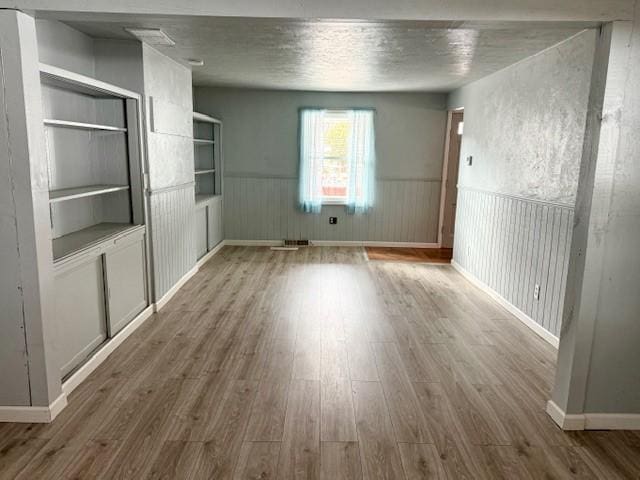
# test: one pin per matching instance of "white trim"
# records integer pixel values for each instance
(593, 421)
(612, 421)
(254, 243)
(101, 355)
(29, 414)
(365, 243)
(332, 243)
(564, 421)
(57, 406)
(173, 290)
(210, 254)
(515, 311)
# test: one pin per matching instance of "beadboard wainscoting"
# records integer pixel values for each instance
(258, 207)
(511, 244)
(172, 225)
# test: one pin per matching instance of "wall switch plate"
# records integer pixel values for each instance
(536, 292)
(333, 220)
(470, 160)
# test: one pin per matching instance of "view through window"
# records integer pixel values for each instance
(337, 126)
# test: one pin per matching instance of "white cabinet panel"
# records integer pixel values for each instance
(215, 222)
(80, 313)
(201, 231)
(126, 283)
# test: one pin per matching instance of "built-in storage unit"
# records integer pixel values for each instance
(207, 145)
(96, 206)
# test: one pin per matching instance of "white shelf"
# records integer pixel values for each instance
(61, 78)
(203, 141)
(82, 126)
(201, 117)
(79, 192)
(203, 198)
(87, 237)
(203, 171)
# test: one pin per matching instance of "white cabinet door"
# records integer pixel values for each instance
(215, 222)
(201, 231)
(126, 282)
(80, 313)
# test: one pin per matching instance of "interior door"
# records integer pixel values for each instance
(451, 180)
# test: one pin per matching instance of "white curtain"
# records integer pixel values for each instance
(311, 154)
(362, 160)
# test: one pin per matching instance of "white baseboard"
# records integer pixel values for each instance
(366, 243)
(210, 254)
(333, 243)
(28, 414)
(515, 311)
(254, 243)
(612, 421)
(564, 421)
(593, 421)
(101, 355)
(173, 290)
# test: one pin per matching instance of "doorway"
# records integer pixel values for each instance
(449, 193)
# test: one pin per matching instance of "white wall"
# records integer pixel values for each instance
(524, 127)
(169, 96)
(260, 142)
(597, 378)
(614, 377)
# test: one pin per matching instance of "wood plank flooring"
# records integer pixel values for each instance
(402, 254)
(319, 364)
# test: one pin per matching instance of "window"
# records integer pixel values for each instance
(337, 159)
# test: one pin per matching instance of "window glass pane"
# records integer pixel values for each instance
(335, 168)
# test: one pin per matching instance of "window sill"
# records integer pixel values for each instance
(334, 202)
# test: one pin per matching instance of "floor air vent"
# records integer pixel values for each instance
(296, 243)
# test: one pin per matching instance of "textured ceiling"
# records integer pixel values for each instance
(339, 55)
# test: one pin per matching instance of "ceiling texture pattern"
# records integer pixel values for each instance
(338, 55)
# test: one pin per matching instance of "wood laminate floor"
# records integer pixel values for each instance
(401, 254)
(319, 364)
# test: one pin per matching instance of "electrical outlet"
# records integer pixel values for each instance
(333, 220)
(536, 292)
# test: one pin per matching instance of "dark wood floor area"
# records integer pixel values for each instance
(401, 254)
(319, 364)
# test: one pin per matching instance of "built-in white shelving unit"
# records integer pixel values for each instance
(207, 153)
(93, 158)
(96, 205)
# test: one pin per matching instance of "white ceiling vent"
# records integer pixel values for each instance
(151, 36)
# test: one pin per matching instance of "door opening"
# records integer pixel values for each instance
(449, 192)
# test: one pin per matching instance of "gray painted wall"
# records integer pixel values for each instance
(261, 163)
(524, 127)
